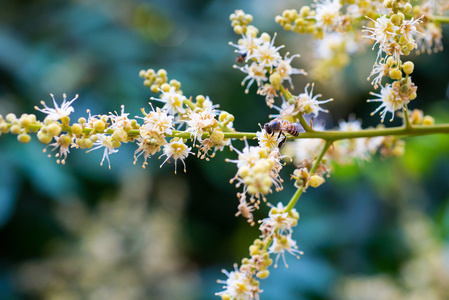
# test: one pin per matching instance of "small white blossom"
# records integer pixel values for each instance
(382, 33)
(279, 220)
(58, 113)
(63, 143)
(285, 69)
(282, 244)
(106, 142)
(158, 121)
(176, 149)
(173, 101)
(120, 121)
(199, 122)
(267, 140)
(266, 54)
(390, 101)
(309, 104)
(256, 72)
(247, 44)
(327, 13)
(237, 286)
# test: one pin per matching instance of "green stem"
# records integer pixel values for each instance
(320, 157)
(329, 135)
(407, 123)
(294, 199)
(439, 19)
(299, 191)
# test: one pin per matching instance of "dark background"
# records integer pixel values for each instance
(81, 231)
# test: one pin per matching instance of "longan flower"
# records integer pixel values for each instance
(176, 149)
(279, 221)
(266, 54)
(63, 143)
(108, 144)
(382, 33)
(247, 43)
(267, 140)
(120, 121)
(148, 144)
(58, 112)
(285, 69)
(327, 13)
(199, 122)
(390, 101)
(239, 286)
(309, 104)
(158, 121)
(173, 101)
(256, 72)
(282, 244)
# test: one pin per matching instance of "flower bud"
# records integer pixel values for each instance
(428, 121)
(24, 138)
(316, 181)
(54, 129)
(408, 67)
(99, 126)
(395, 73)
(77, 129)
(44, 137)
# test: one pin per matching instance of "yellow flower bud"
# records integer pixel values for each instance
(77, 129)
(263, 274)
(275, 80)
(99, 126)
(24, 138)
(54, 129)
(428, 121)
(395, 73)
(15, 129)
(408, 67)
(316, 181)
(44, 137)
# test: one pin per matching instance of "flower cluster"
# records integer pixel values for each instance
(263, 63)
(276, 238)
(203, 123)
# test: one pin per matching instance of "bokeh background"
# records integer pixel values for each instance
(375, 230)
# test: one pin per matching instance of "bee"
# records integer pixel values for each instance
(241, 58)
(279, 125)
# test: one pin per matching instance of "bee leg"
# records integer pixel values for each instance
(281, 143)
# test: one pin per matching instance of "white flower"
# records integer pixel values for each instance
(247, 44)
(176, 149)
(58, 113)
(267, 140)
(382, 33)
(148, 144)
(158, 121)
(106, 142)
(199, 122)
(327, 13)
(63, 142)
(237, 286)
(173, 101)
(408, 29)
(354, 148)
(279, 220)
(120, 121)
(282, 244)
(390, 101)
(381, 69)
(256, 72)
(309, 104)
(266, 54)
(285, 69)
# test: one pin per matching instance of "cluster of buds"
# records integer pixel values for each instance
(258, 170)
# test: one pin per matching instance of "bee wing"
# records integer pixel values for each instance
(286, 111)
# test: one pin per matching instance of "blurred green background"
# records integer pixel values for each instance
(375, 230)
